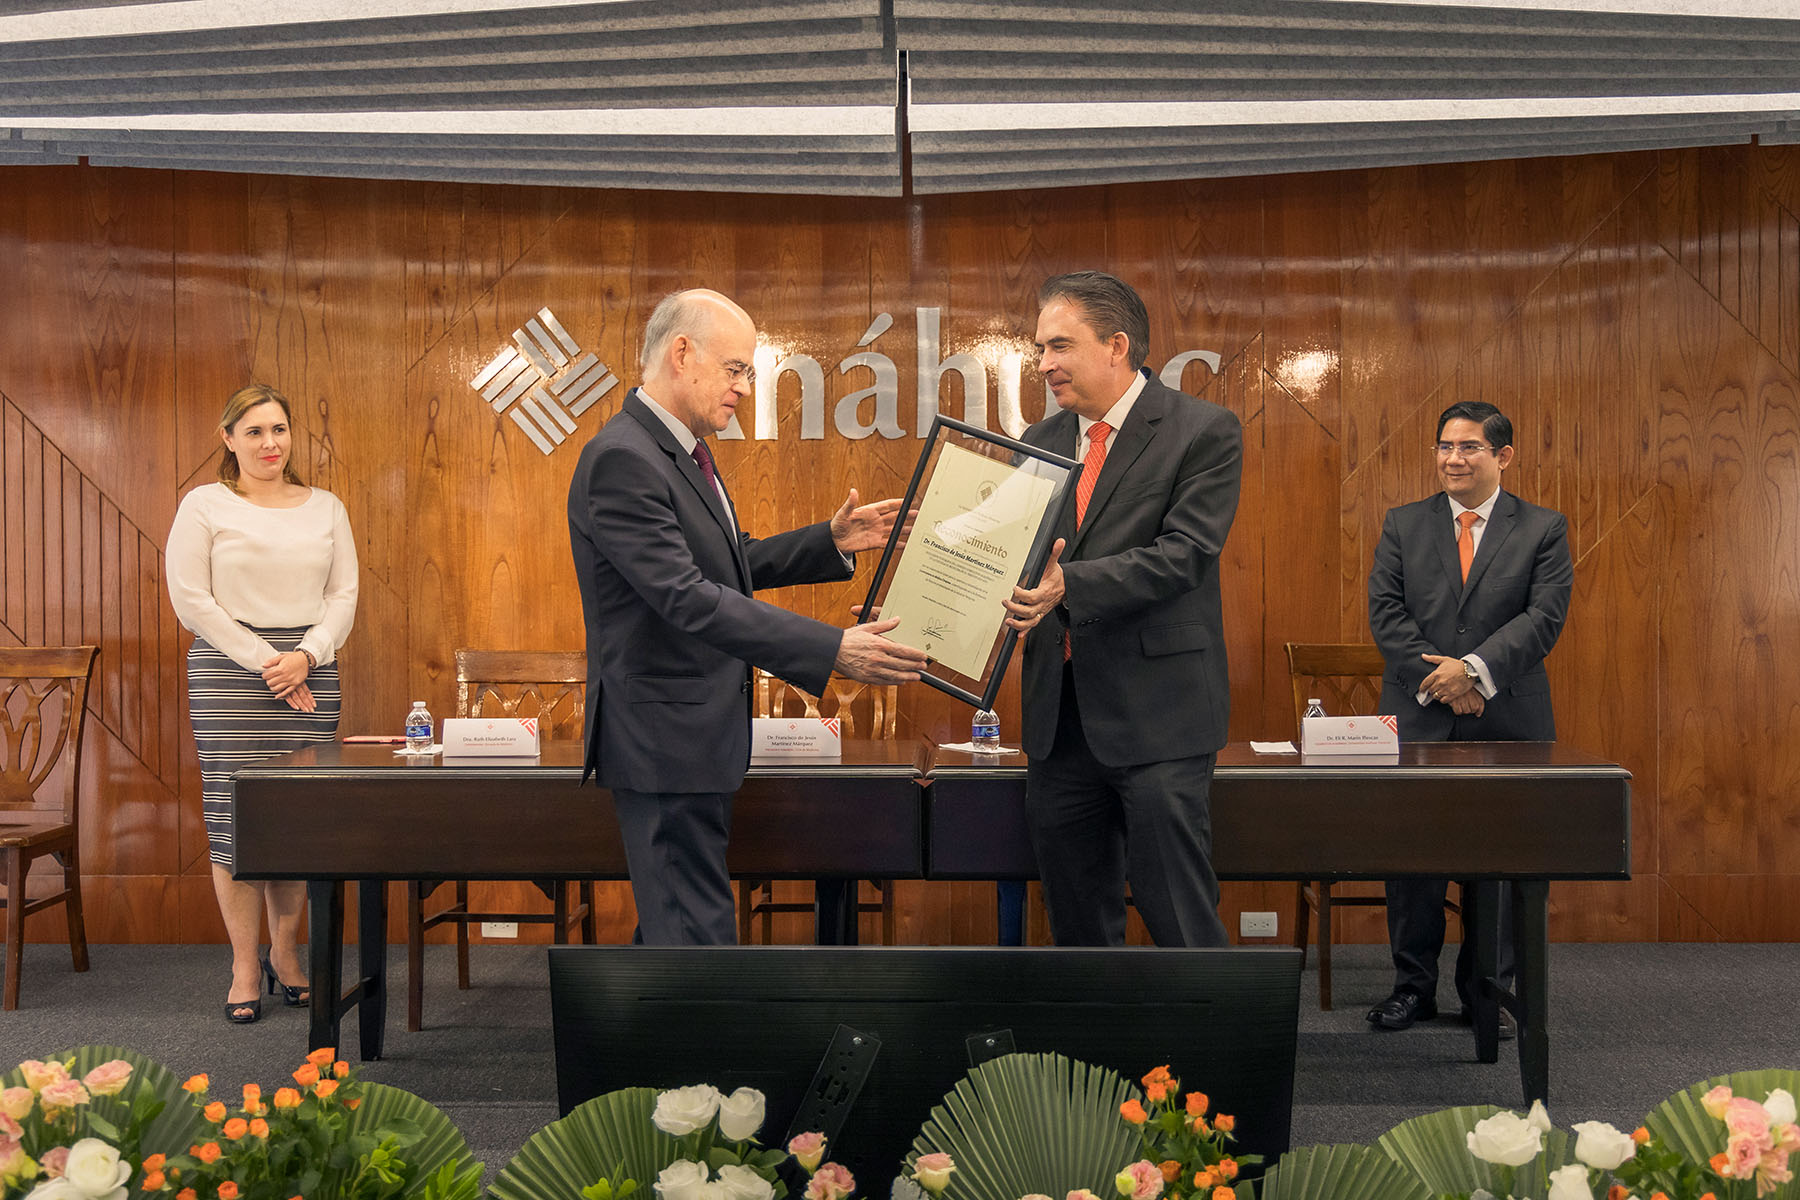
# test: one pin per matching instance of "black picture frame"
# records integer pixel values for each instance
(978, 691)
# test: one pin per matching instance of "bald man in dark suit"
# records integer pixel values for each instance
(1468, 593)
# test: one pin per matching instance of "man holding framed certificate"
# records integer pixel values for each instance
(1124, 691)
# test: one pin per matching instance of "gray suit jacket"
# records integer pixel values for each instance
(665, 594)
(1510, 612)
(1142, 586)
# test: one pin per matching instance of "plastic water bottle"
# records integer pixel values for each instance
(1313, 709)
(418, 727)
(984, 733)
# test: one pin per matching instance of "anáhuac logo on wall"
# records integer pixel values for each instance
(544, 381)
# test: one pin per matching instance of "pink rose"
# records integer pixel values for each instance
(10, 1128)
(109, 1078)
(1744, 1115)
(933, 1172)
(807, 1149)
(1743, 1152)
(1082, 1194)
(40, 1075)
(65, 1093)
(15, 1102)
(54, 1161)
(1714, 1102)
(14, 1160)
(830, 1182)
(1142, 1180)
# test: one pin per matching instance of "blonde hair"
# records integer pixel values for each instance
(241, 402)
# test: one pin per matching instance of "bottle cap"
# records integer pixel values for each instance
(419, 703)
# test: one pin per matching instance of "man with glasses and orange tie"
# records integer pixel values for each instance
(1467, 595)
(666, 575)
(1124, 688)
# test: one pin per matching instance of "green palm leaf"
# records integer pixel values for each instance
(1435, 1148)
(1682, 1124)
(1026, 1123)
(588, 1145)
(1342, 1173)
(436, 1141)
(177, 1127)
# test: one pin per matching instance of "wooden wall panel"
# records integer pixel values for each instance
(1637, 314)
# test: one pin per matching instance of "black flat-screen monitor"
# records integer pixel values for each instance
(1226, 1021)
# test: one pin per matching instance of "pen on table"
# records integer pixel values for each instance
(376, 739)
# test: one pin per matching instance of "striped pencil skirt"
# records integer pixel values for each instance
(238, 721)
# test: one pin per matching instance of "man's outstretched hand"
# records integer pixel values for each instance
(867, 657)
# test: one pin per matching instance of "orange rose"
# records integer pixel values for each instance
(1659, 1196)
(195, 1085)
(1224, 1123)
(325, 1087)
(1171, 1170)
(208, 1153)
(354, 1103)
(236, 1128)
(214, 1112)
(1719, 1162)
(340, 1069)
(259, 1128)
(1134, 1112)
(1219, 1193)
(321, 1058)
(1640, 1135)
(1196, 1104)
(1228, 1168)
(229, 1190)
(153, 1181)
(1158, 1075)
(1205, 1178)
(155, 1162)
(307, 1075)
(1617, 1192)
(1198, 1125)
(186, 1194)
(252, 1093)
(287, 1098)
(1158, 1092)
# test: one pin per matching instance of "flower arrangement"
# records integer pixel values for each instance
(692, 1143)
(102, 1123)
(1183, 1145)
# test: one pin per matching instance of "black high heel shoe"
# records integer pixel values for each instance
(234, 1009)
(293, 997)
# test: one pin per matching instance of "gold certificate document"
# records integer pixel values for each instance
(976, 526)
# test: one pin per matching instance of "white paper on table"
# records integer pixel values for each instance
(1273, 748)
(434, 748)
(972, 748)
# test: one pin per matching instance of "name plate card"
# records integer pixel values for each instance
(802, 737)
(1350, 735)
(491, 737)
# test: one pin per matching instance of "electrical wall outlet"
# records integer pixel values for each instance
(510, 929)
(1257, 924)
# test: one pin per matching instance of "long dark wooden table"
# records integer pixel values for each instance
(1523, 813)
(333, 812)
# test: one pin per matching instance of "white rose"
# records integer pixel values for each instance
(1505, 1138)
(1601, 1146)
(1780, 1107)
(1538, 1118)
(741, 1114)
(681, 1180)
(56, 1189)
(683, 1110)
(94, 1167)
(1570, 1183)
(741, 1183)
(712, 1190)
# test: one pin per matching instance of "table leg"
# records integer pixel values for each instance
(325, 950)
(1531, 934)
(1483, 924)
(1009, 898)
(834, 912)
(371, 948)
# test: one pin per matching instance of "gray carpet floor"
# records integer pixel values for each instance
(1630, 1024)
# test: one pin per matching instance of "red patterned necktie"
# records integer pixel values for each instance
(704, 457)
(1465, 540)
(1090, 468)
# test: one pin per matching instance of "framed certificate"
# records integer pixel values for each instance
(980, 513)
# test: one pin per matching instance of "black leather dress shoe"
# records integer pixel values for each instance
(1400, 1010)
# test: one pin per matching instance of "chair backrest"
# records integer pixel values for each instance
(550, 685)
(864, 710)
(1346, 676)
(43, 714)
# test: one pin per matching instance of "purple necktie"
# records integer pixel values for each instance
(704, 458)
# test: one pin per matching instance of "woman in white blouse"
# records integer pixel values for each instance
(262, 569)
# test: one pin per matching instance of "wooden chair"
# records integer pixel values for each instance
(552, 686)
(1346, 677)
(864, 710)
(43, 713)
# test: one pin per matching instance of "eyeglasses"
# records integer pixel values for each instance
(1465, 449)
(739, 371)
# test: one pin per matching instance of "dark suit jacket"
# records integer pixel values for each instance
(1142, 586)
(1510, 613)
(665, 594)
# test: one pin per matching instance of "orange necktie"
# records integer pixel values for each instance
(1084, 487)
(1465, 540)
(1090, 468)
